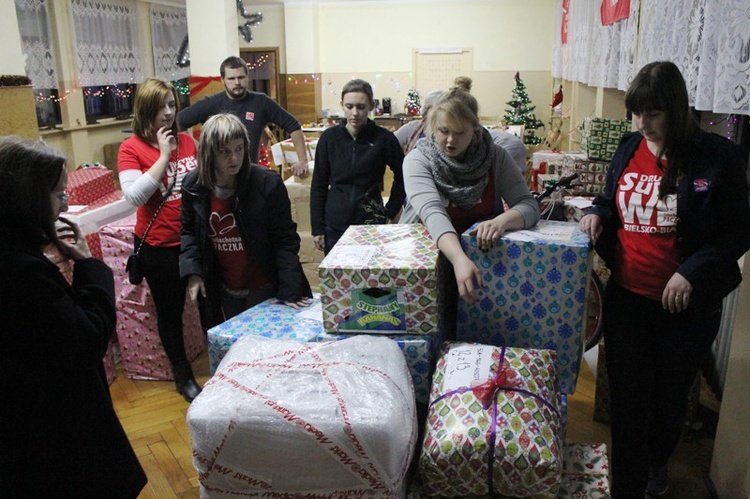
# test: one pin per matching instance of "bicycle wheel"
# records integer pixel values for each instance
(595, 313)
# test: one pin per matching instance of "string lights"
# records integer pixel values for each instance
(732, 121)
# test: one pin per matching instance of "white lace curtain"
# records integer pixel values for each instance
(168, 30)
(35, 42)
(709, 40)
(106, 42)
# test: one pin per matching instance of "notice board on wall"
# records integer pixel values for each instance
(435, 69)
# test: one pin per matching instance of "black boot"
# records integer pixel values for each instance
(185, 381)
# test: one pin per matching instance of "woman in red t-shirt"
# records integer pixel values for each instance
(152, 165)
(671, 224)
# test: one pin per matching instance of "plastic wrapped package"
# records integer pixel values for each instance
(279, 417)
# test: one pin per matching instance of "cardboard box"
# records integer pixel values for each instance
(534, 294)
(278, 321)
(381, 279)
(299, 197)
(494, 418)
(289, 419)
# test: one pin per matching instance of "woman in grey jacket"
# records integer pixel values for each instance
(239, 242)
(457, 176)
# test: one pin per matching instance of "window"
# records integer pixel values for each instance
(34, 28)
(108, 101)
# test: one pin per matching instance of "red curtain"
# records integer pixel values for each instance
(614, 10)
(564, 26)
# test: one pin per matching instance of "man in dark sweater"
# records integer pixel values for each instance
(254, 109)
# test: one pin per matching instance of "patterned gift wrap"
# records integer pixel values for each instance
(493, 424)
(87, 185)
(381, 279)
(289, 419)
(534, 295)
(271, 319)
(585, 472)
(600, 137)
(142, 353)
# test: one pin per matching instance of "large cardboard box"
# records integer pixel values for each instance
(272, 319)
(381, 279)
(585, 472)
(493, 424)
(601, 136)
(289, 419)
(534, 295)
(87, 184)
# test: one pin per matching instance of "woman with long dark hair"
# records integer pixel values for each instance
(671, 224)
(59, 433)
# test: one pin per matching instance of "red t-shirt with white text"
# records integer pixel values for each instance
(647, 255)
(137, 154)
(239, 271)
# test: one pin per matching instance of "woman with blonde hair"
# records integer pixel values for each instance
(152, 165)
(457, 176)
(239, 242)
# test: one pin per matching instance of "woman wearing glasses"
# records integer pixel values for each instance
(60, 435)
(239, 242)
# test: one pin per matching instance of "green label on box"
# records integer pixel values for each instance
(375, 310)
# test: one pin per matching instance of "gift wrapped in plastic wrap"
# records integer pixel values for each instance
(279, 418)
(493, 424)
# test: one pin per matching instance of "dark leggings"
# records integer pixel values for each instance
(161, 270)
(653, 358)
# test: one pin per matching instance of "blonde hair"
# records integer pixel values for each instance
(217, 131)
(149, 98)
(455, 107)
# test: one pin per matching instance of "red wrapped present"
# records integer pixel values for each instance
(142, 353)
(88, 184)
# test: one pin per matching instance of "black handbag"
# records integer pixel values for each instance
(133, 266)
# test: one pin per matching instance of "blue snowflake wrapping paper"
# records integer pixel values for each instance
(534, 295)
(271, 319)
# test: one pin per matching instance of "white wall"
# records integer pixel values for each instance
(11, 55)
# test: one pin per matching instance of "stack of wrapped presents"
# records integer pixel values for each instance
(599, 140)
(142, 354)
(359, 394)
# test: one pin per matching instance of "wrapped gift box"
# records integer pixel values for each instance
(271, 319)
(493, 423)
(600, 137)
(86, 185)
(289, 419)
(299, 196)
(142, 353)
(534, 294)
(381, 279)
(585, 472)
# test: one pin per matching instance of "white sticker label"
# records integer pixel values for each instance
(467, 365)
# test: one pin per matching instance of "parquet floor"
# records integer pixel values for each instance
(153, 415)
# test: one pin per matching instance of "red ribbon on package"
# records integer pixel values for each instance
(614, 10)
(486, 391)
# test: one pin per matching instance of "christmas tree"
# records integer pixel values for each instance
(521, 113)
(413, 105)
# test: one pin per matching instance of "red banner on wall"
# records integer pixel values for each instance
(614, 10)
(564, 25)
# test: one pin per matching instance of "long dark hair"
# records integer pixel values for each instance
(659, 86)
(29, 172)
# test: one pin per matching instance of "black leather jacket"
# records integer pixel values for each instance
(264, 217)
(713, 224)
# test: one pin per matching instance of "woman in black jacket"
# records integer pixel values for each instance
(59, 434)
(239, 242)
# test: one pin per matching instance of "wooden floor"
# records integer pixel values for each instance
(153, 416)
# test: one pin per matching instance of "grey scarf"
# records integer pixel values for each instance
(462, 182)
